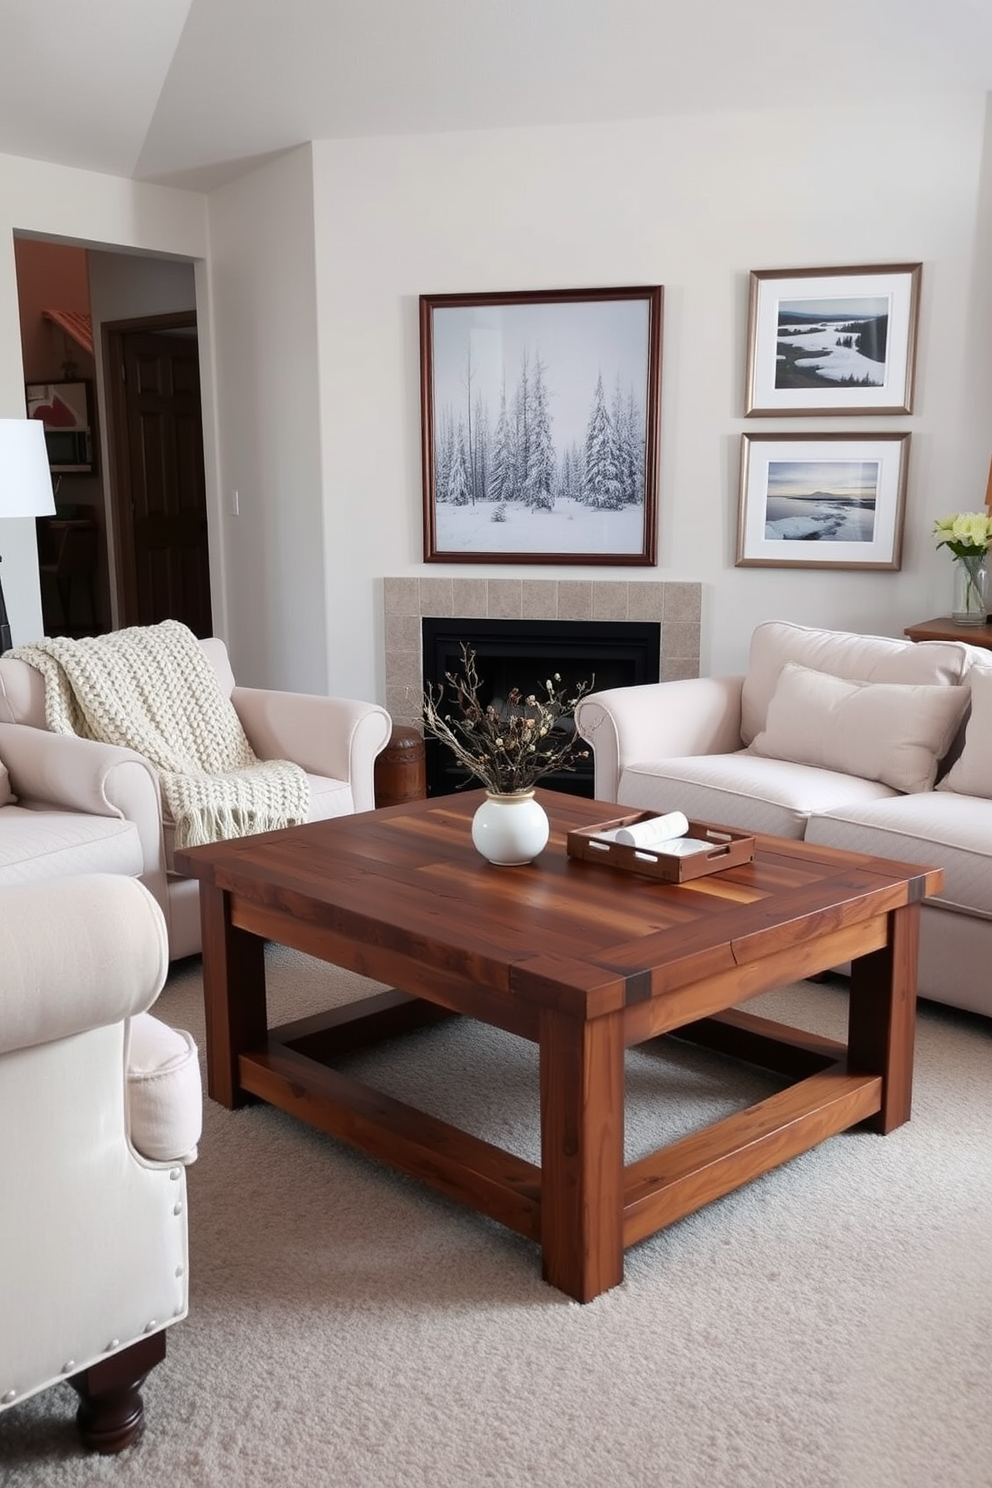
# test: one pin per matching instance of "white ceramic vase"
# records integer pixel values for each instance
(509, 830)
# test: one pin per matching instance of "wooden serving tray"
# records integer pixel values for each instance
(730, 849)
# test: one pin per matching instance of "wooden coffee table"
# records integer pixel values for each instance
(583, 960)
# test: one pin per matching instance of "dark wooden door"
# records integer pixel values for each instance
(161, 500)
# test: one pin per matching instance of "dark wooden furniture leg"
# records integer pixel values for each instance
(233, 995)
(882, 1017)
(111, 1411)
(582, 1174)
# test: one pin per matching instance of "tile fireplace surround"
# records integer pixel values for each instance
(676, 607)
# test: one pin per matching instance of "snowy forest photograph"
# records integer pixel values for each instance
(832, 340)
(822, 501)
(540, 425)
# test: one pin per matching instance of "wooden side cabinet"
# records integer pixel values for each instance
(946, 630)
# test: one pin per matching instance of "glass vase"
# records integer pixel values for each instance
(971, 581)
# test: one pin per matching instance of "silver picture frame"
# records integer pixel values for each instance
(832, 341)
(822, 500)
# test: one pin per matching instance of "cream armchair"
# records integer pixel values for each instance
(101, 1110)
(335, 740)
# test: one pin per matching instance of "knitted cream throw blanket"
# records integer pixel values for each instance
(152, 689)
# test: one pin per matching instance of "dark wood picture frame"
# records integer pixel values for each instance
(540, 415)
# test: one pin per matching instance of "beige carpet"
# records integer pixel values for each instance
(830, 1326)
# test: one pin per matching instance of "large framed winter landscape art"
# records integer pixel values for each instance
(540, 420)
(822, 500)
(825, 341)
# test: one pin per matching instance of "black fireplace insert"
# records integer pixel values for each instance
(524, 654)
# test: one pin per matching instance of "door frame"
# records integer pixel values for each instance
(120, 524)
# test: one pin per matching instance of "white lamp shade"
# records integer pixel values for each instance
(25, 479)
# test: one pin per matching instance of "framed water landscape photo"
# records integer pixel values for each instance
(540, 426)
(824, 341)
(822, 500)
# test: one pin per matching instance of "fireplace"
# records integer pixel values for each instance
(525, 653)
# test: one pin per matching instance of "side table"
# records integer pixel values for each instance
(400, 770)
(946, 630)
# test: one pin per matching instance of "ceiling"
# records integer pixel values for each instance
(193, 92)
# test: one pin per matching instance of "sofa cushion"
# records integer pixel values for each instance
(35, 845)
(164, 1095)
(6, 794)
(328, 797)
(971, 774)
(936, 830)
(743, 790)
(889, 731)
(856, 658)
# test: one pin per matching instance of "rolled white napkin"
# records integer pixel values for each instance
(653, 831)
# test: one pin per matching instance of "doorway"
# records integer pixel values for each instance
(123, 295)
(157, 489)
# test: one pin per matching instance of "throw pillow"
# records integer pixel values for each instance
(971, 774)
(858, 658)
(893, 732)
(6, 794)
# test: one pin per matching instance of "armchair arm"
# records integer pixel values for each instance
(658, 720)
(66, 773)
(73, 774)
(77, 953)
(338, 737)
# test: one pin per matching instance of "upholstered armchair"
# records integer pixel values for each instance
(101, 1110)
(335, 740)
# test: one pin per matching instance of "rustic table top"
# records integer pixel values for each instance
(409, 877)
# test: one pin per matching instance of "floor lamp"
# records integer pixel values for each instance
(25, 484)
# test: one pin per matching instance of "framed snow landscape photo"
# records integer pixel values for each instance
(540, 425)
(821, 500)
(832, 340)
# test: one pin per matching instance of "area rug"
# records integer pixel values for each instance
(828, 1326)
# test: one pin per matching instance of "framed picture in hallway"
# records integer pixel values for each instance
(832, 340)
(821, 500)
(540, 426)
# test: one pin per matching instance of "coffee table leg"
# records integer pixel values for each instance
(882, 1017)
(233, 995)
(582, 1153)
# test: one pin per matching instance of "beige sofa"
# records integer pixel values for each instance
(866, 743)
(101, 1110)
(83, 805)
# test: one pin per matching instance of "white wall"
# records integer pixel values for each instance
(693, 204)
(95, 210)
(307, 290)
(263, 293)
